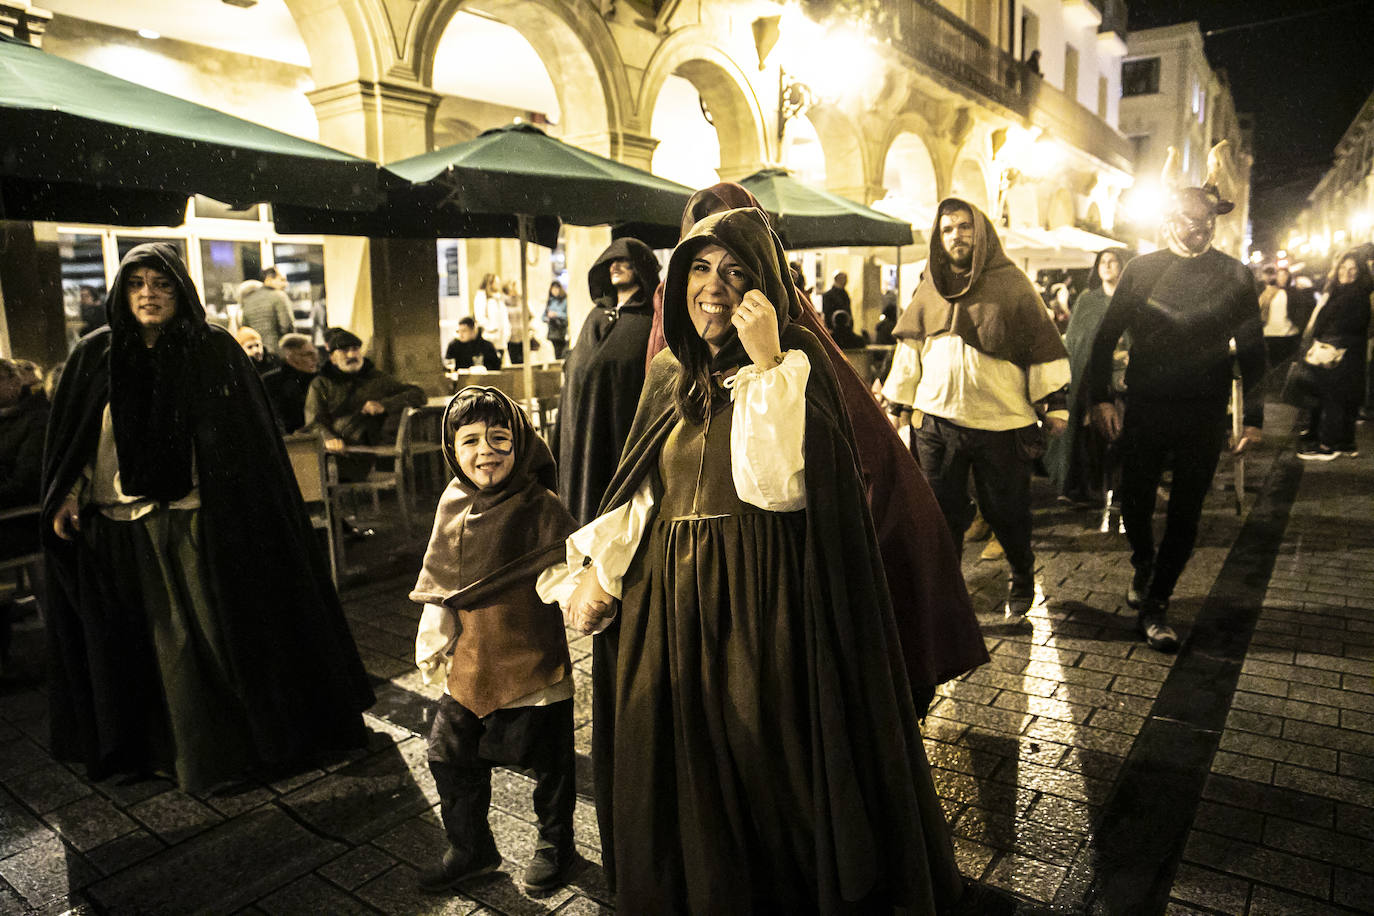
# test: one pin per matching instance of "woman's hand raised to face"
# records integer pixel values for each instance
(756, 321)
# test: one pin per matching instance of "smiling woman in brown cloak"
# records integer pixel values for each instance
(766, 752)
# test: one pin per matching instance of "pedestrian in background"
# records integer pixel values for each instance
(1333, 355)
(266, 308)
(1077, 460)
(489, 308)
(835, 299)
(556, 319)
(517, 317)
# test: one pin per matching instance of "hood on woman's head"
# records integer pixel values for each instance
(745, 234)
(163, 257)
(717, 198)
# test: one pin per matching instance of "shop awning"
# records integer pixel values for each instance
(79, 144)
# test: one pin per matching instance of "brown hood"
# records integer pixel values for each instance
(994, 309)
(482, 538)
(724, 196)
(745, 234)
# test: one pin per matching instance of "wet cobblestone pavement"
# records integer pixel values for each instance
(1081, 771)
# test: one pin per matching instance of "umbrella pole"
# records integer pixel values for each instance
(897, 280)
(526, 366)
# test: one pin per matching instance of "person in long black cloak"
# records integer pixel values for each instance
(164, 479)
(767, 756)
(603, 375)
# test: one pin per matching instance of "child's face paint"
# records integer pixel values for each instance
(486, 454)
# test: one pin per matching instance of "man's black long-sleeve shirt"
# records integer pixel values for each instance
(1181, 314)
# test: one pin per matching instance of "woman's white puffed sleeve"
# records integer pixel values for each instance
(767, 432)
(611, 541)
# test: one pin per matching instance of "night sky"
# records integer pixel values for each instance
(1304, 80)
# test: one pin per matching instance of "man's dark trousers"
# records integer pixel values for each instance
(947, 453)
(1186, 437)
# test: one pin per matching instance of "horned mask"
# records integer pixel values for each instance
(1191, 222)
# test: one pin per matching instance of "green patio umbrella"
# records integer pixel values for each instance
(518, 174)
(805, 217)
(79, 144)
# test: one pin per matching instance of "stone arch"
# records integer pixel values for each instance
(1060, 210)
(575, 46)
(330, 30)
(969, 181)
(722, 85)
(1094, 216)
(910, 176)
(847, 161)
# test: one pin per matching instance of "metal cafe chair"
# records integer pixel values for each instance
(417, 436)
(311, 466)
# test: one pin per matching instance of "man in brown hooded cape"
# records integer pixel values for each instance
(792, 780)
(980, 359)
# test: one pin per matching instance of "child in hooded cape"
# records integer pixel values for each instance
(494, 562)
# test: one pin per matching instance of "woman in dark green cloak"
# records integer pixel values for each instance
(1077, 460)
(766, 752)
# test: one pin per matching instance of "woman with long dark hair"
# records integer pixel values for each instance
(766, 752)
(1333, 350)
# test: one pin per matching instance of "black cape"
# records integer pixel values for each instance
(291, 658)
(602, 378)
(880, 839)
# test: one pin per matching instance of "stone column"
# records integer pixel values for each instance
(385, 290)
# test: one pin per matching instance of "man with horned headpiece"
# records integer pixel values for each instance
(1182, 306)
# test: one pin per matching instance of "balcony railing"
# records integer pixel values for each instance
(947, 44)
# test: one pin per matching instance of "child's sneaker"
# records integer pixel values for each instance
(453, 869)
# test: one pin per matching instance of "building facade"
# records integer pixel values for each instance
(1171, 96)
(891, 104)
(1340, 210)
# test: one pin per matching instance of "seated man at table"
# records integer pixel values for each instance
(287, 385)
(470, 348)
(353, 402)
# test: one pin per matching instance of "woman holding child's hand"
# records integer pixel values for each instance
(754, 740)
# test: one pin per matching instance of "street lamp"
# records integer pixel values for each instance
(794, 96)
(811, 48)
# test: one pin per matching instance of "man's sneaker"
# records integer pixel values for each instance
(548, 870)
(1318, 453)
(453, 870)
(1158, 634)
(1020, 596)
(1135, 593)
